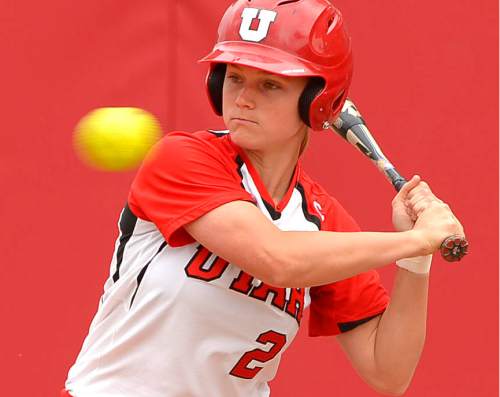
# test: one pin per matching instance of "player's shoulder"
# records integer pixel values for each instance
(316, 192)
(333, 214)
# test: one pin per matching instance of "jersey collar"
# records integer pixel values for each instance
(266, 197)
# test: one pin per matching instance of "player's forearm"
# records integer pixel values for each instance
(401, 331)
(315, 258)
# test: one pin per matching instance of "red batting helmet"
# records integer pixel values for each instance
(288, 38)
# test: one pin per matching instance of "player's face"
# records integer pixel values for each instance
(260, 109)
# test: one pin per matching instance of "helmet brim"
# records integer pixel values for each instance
(260, 57)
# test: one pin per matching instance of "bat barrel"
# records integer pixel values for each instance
(356, 133)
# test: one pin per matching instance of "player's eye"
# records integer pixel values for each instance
(233, 78)
(271, 85)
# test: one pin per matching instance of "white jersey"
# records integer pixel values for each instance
(175, 320)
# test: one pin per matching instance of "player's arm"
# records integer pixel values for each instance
(187, 186)
(241, 234)
(385, 350)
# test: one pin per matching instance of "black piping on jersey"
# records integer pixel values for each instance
(127, 225)
(275, 215)
(240, 164)
(140, 276)
(344, 327)
(310, 217)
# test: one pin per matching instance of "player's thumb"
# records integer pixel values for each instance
(407, 187)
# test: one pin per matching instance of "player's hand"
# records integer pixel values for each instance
(403, 218)
(431, 216)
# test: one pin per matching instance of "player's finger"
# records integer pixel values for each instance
(420, 202)
(421, 188)
(408, 186)
(422, 205)
(418, 197)
(409, 211)
(422, 192)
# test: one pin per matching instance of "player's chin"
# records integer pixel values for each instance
(245, 138)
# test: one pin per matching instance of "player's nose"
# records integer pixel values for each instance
(245, 98)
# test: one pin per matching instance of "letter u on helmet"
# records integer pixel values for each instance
(288, 38)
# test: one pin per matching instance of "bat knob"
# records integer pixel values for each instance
(454, 248)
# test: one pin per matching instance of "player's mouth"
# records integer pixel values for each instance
(241, 120)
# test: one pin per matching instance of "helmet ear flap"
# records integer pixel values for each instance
(311, 91)
(215, 82)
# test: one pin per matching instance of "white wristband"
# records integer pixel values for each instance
(418, 264)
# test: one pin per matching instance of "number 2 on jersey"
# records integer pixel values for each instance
(241, 368)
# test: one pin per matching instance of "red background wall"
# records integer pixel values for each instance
(425, 79)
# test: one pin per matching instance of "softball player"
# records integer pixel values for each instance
(225, 239)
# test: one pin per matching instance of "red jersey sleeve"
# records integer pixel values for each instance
(341, 306)
(184, 177)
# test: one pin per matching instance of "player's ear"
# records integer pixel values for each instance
(215, 82)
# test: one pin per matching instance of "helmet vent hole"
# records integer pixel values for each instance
(332, 23)
(287, 2)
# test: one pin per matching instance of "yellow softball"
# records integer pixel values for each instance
(116, 138)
